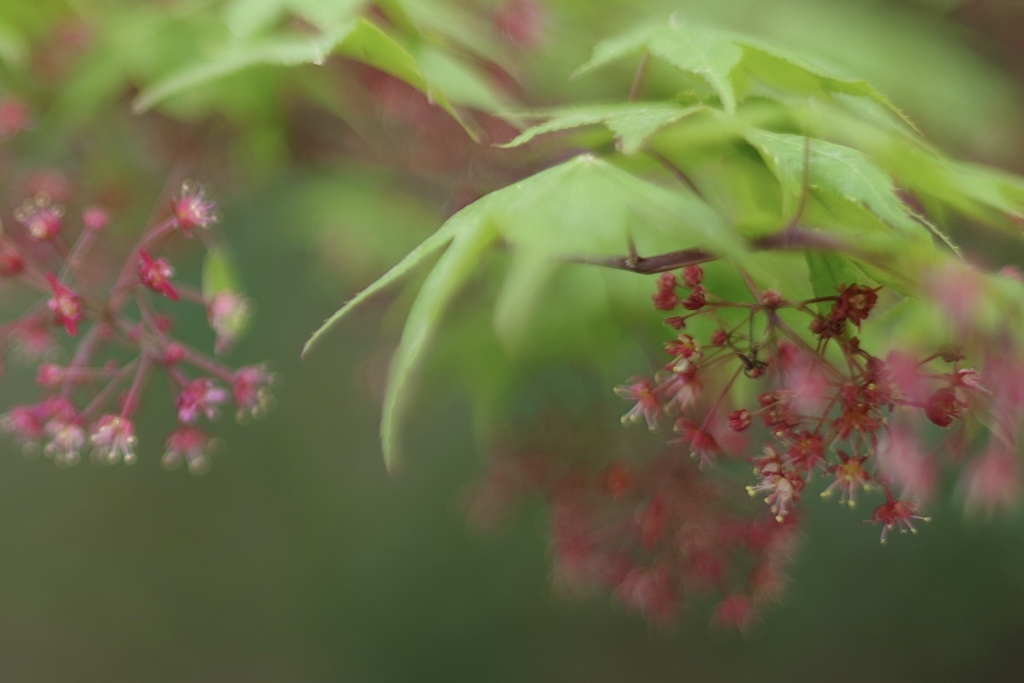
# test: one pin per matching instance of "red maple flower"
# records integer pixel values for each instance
(65, 304)
(156, 274)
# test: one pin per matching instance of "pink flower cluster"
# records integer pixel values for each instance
(828, 407)
(121, 338)
(654, 532)
(787, 387)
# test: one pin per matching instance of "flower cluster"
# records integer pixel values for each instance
(653, 532)
(122, 337)
(829, 408)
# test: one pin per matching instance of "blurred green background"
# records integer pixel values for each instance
(298, 558)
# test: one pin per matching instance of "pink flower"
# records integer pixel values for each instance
(200, 397)
(735, 611)
(896, 514)
(40, 217)
(14, 116)
(991, 482)
(25, 424)
(113, 438)
(33, 341)
(192, 208)
(65, 304)
(251, 390)
(64, 431)
(189, 445)
(650, 591)
(901, 459)
(11, 261)
(228, 314)
(783, 488)
(647, 406)
(156, 274)
(95, 218)
(850, 476)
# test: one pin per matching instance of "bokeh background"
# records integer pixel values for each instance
(297, 557)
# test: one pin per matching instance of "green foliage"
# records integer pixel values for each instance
(632, 123)
(756, 113)
(731, 65)
(584, 208)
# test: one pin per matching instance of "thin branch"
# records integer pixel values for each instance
(792, 238)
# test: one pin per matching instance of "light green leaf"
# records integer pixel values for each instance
(525, 284)
(371, 45)
(452, 271)
(707, 53)
(251, 17)
(835, 169)
(631, 122)
(219, 273)
(794, 73)
(991, 188)
(429, 246)
(582, 209)
(14, 48)
(450, 25)
(731, 63)
(460, 81)
(277, 50)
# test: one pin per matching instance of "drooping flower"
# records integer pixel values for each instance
(228, 314)
(251, 390)
(156, 274)
(650, 591)
(850, 476)
(188, 445)
(647, 406)
(896, 514)
(200, 397)
(735, 611)
(25, 424)
(113, 439)
(991, 483)
(901, 460)
(66, 436)
(65, 304)
(41, 217)
(783, 488)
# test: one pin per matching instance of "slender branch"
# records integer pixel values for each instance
(792, 238)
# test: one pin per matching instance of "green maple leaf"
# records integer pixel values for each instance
(583, 208)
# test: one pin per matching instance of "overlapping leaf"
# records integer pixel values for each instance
(584, 208)
(837, 172)
(729, 62)
(446, 81)
(630, 122)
